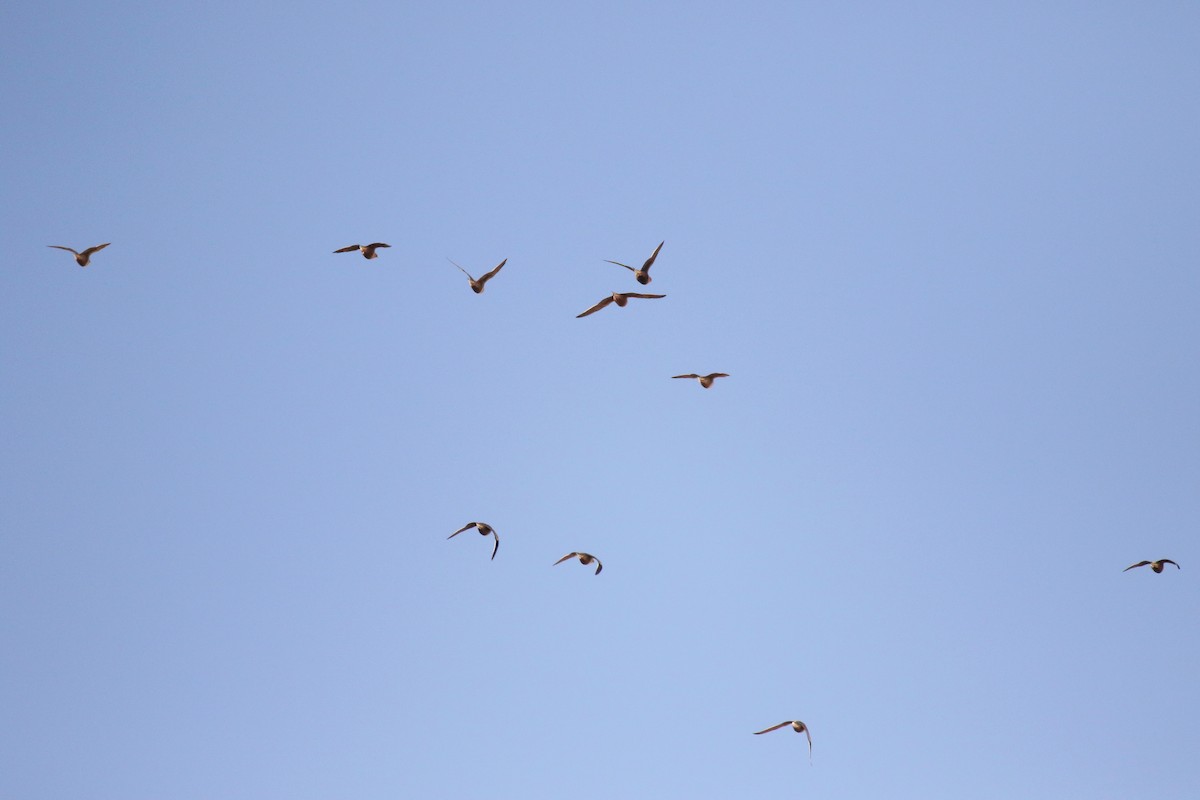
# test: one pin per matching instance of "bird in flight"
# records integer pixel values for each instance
(484, 530)
(368, 250)
(797, 726)
(477, 285)
(620, 298)
(705, 380)
(81, 258)
(584, 558)
(643, 274)
(1157, 566)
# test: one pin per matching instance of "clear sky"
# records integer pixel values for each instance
(948, 254)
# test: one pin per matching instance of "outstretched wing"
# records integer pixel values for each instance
(349, 249)
(647, 296)
(1139, 564)
(1169, 561)
(773, 728)
(595, 308)
(466, 527)
(487, 277)
(95, 249)
(654, 255)
(378, 244)
(619, 264)
(60, 247)
(564, 558)
(712, 375)
(455, 263)
(497, 545)
(599, 566)
(689, 375)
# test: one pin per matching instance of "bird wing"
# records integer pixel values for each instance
(466, 527)
(564, 558)
(349, 249)
(599, 566)
(497, 545)
(637, 294)
(689, 375)
(95, 249)
(60, 247)
(717, 375)
(773, 728)
(654, 255)
(1139, 564)
(1169, 561)
(455, 263)
(596, 307)
(487, 277)
(378, 244)
(809, 735)
(619, 264)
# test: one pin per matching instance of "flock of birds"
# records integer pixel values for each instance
(621, 299)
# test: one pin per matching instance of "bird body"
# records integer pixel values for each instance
(368, 250)
(642, 275)
(484, 530)
(620, 298)
(1157, 566)
(584, 558)
(705, 380)
(477, 285)
(83, 258)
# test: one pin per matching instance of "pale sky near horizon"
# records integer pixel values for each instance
(947, 254)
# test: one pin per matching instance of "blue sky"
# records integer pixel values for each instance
(947, 254)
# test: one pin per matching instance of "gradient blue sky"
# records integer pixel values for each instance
(948, 254)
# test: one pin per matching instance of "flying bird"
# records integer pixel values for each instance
(705, 380)
(477, 285)
(368, 250)
(620, 298)
(643, 274)
(797, 726)
(81, 258)
(1157, 566)
(484, 530)
(584, 558)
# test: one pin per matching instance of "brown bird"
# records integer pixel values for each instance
(620, 298)
(584, 558)
(1157, 566)
(477, 285)
(81, 258)
(368, 250)
(797, 726)
(705, 380)
(484, 530)
(643, 274)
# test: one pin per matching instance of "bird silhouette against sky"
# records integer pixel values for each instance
(484, 530)
(643, 274)
(368, 250)
(1157, 566)
(620, 298)
(83, 258)
(584, 558)
(705, 380)
(797, 726)
(477, 285)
